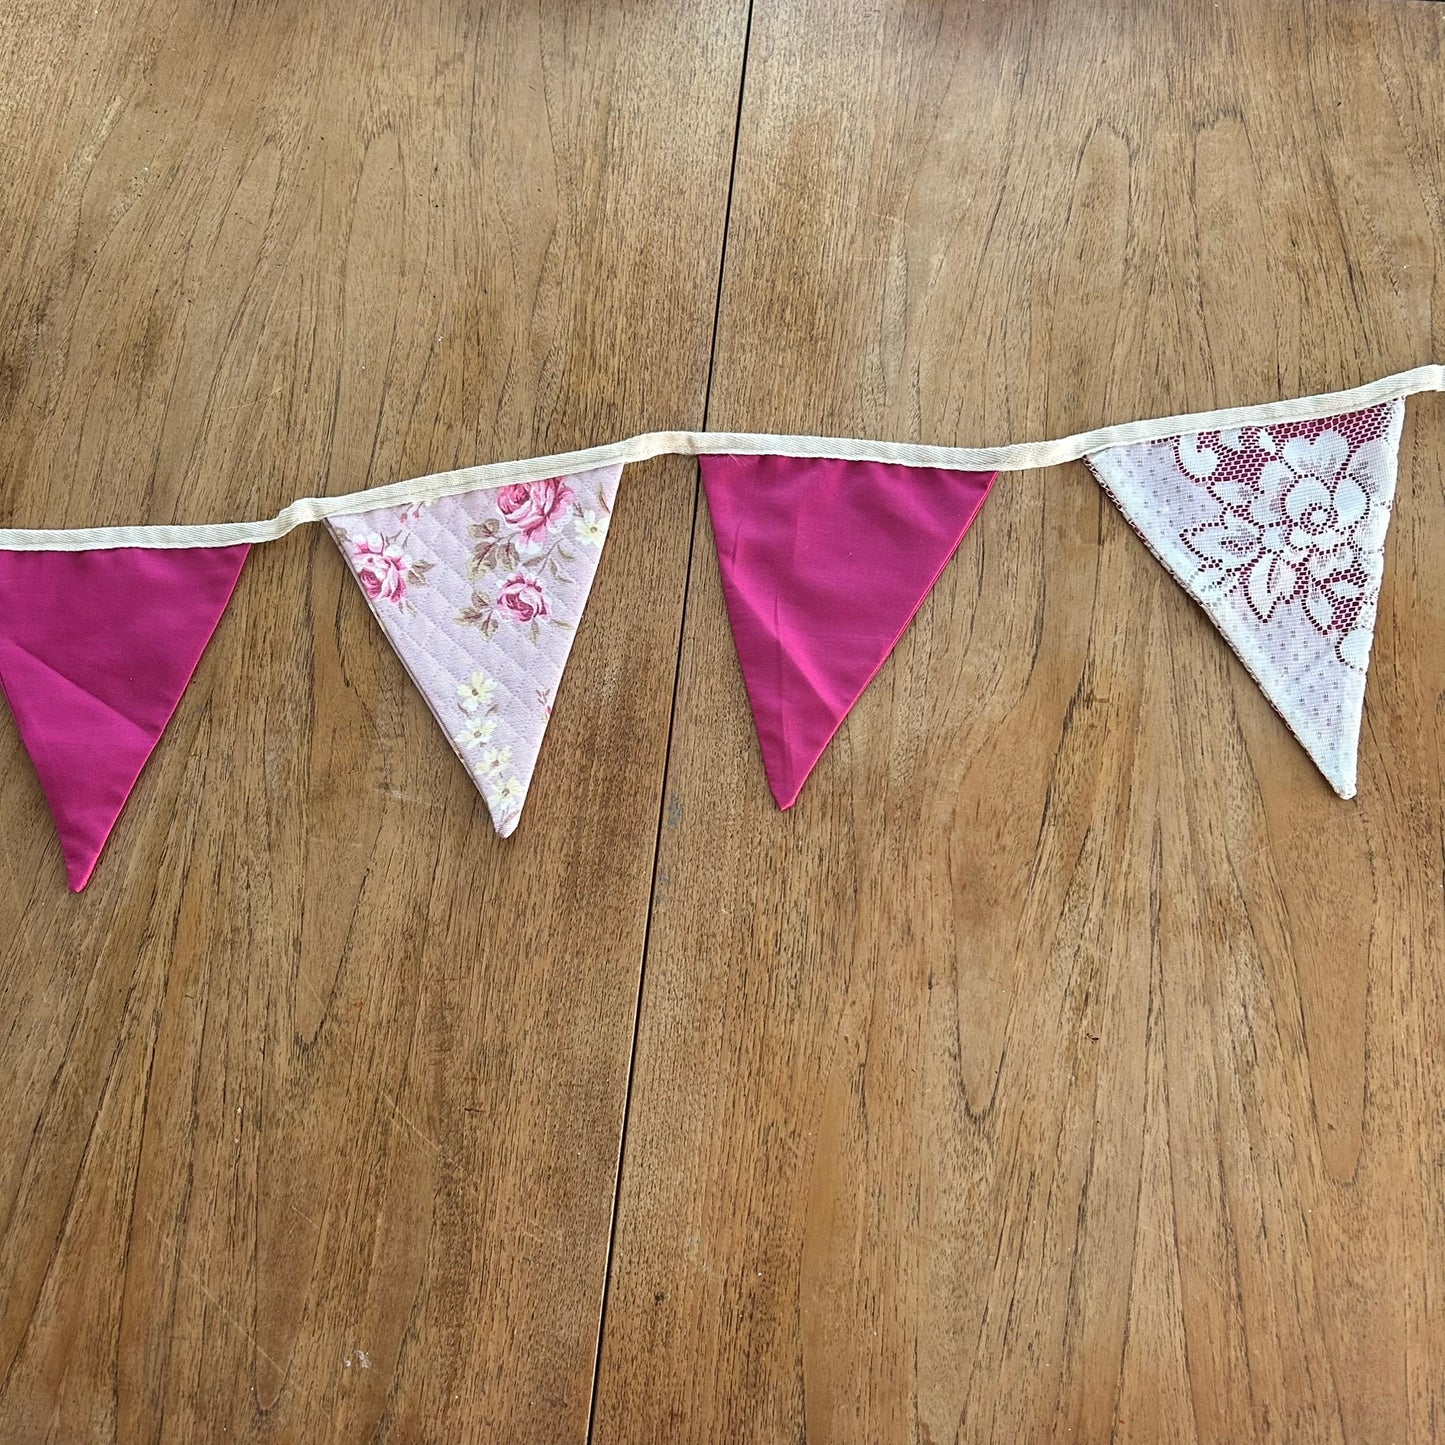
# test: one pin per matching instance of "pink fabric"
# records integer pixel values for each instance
(96, 649)
(824, 564)
(481, 595)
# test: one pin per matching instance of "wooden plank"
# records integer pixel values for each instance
(312, 1103)
(1067, 1064)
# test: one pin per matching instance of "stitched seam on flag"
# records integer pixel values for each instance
(1018, 457)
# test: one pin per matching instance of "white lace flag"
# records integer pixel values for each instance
(1278, 532)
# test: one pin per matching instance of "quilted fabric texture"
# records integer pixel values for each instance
(480, 595)
(1278, 532)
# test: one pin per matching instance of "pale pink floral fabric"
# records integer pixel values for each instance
(1278, 532)
(480, 595)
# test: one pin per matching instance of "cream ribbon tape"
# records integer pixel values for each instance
(692, 443)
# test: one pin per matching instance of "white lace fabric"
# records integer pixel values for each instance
(1278, 532)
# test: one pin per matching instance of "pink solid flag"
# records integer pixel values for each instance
(824, 564)
(96, 649)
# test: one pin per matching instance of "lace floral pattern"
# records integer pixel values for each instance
(1278, 532)
(1301, 522)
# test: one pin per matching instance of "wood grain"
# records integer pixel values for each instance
(1067, 1064)
(313, 1101)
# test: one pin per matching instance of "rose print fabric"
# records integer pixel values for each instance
(96, 649)
(480, 595)
(1278, 532)
(824, 564)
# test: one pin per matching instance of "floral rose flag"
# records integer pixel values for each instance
(480, 594)
(1278, 532)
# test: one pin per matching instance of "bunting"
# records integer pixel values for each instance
(96, 649)
(480, 594)
(1273, 518)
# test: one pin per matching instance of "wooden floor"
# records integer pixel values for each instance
(1068, 1065)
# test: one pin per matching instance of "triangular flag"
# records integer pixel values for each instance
(1278, 532)
(96, 649)
(824, 564)
(480, 594)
